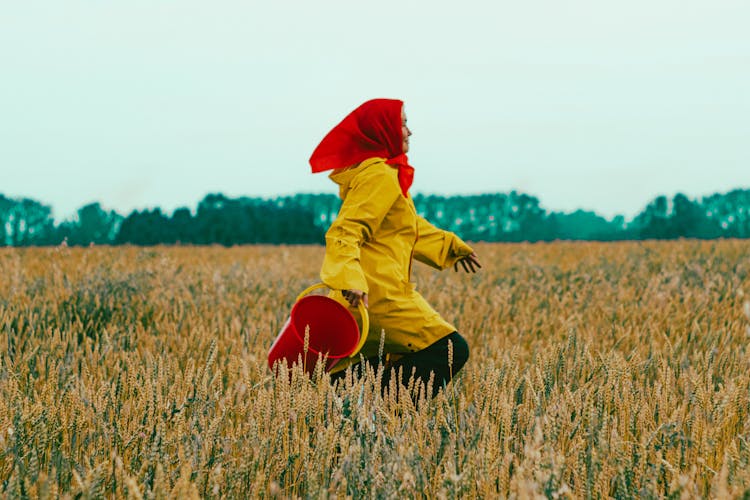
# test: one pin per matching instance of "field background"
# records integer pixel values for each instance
(596, 370)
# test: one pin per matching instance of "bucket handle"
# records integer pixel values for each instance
(362, 312)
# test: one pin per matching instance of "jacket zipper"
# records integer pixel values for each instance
(413, 209)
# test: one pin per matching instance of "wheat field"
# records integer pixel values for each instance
(597, 370)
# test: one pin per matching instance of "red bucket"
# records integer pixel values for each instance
(333, 333)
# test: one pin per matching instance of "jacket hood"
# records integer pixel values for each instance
(344, 176)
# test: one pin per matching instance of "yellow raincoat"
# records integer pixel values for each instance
(370, 247)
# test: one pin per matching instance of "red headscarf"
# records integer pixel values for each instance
(373, 129)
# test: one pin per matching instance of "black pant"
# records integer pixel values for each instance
(433, 359)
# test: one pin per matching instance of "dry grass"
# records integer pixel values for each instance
(597, 370)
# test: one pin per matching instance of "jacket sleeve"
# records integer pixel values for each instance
(437, 248)
(371, 194)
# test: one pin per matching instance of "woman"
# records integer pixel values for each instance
(371, 244)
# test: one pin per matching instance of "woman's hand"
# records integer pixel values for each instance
(354, 296)
(470, 263)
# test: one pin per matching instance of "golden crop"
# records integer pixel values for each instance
(596, 370)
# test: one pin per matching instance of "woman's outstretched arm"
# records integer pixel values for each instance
(443, 249)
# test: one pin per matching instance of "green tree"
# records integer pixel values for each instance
(143, 228)
(584, 225)
(653, 221)
(182, 226)
(730, 212)
(92, 224)
(689, 219)
(6, 204)
(29, 222)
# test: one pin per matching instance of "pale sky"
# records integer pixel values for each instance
(592, 104)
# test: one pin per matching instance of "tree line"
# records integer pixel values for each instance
(304, 219)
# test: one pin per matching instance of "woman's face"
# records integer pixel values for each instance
(405, 132)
